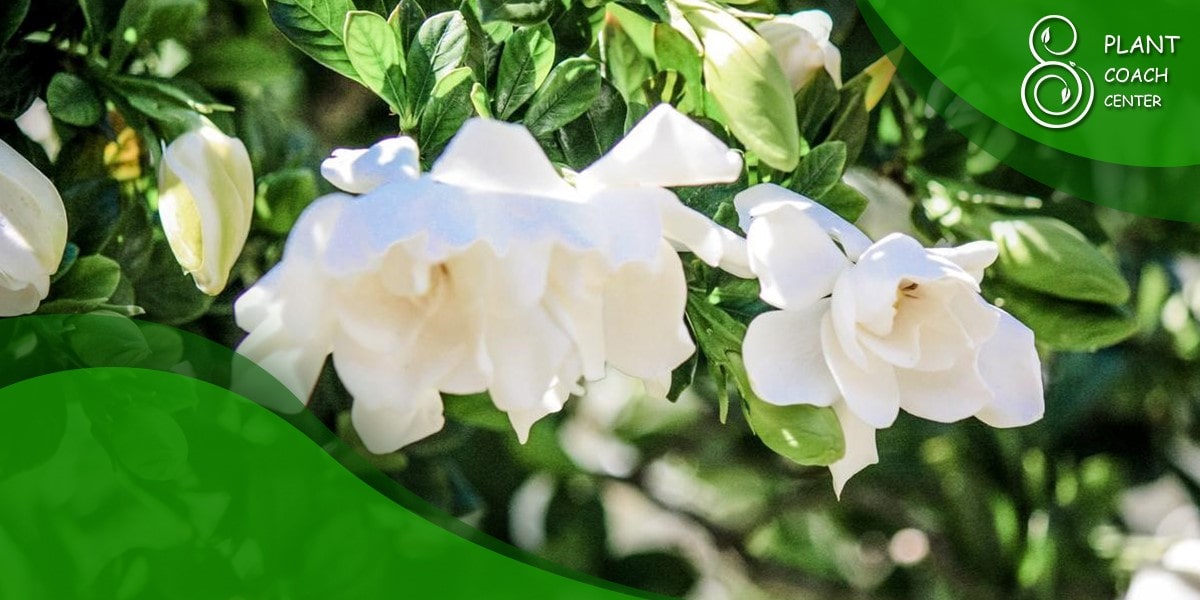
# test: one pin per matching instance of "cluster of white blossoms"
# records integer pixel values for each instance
(491, 272)
(494, 272)
(872, 328)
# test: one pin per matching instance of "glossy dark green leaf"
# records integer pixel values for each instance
(1065, 324)
(315, 27)
(570, 89)
(449, 107)
(282, 196)
(440, 47)
(90, 282)
(517, 12)
(525, 63)
(844, 200)
(74, 101)
(820, 170)
(815, 103)
(587, 138)
(11, 15)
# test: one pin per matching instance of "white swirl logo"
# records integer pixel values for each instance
(1074, 89)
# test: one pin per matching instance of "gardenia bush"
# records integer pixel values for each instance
(442, 225)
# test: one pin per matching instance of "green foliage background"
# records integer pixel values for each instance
(1030, 513)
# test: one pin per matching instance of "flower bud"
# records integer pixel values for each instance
(206, 201)
(802, 47)
(33, 233)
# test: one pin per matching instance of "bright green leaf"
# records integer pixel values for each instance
(1064, 324)
(282, 196)
(624, 63)
(1049, 256)
(373, 48)
(90, 282)
(844, 200)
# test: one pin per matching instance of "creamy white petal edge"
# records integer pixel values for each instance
(490, 272)
(875, 328)
(33, 233)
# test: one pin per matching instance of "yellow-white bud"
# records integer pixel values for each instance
(33, 233)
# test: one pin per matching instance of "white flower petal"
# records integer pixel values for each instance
(860, 447)
(360, 171)
(664, 149)
(973, 257)
(496, 156)
(796, 262)
(871, 391)
(643, 317)
(711, 243)
(784, 360)
(528, 352)
(32, 215)
(889, 264)
(816, 22)
(388, 426)
(944, 396)
(1010, 366)
(833, 62)
(761, 198)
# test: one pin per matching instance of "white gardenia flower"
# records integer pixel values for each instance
(802, 47)
(206, 203)
(872, 328)
(490, 272)
(33, 233)
(1175, 577)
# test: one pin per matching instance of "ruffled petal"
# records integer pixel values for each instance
(388, 426)
(711, 243)
(1010, 366)
(871, 391)
(973, 257)
(361, 171)
(760, 198)
(644, 331)
(784, 360)
(861, 451)
(527, 351)
(665, 149)
(796, 262)
(495, 156)
(944, 396)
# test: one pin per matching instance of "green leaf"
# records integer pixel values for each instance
(820, 170)
(476, 410)
(517, 12)
(479, 100)
(853, 118)
(449, 106)
(524, 64)
(674, 52)
(148, 442)
(1049, 256)
(624, 63)
(815, 103)
(805, 434)
(440, 47)
(373, 48)
(90, 282)
(73, 101)
(282, 196)
(11, 15)
(1064, 324)
(748, 85)
(844, 200)
(587, 138)
(316, 28)
(570, 89)
(406, 20)
(808, 435)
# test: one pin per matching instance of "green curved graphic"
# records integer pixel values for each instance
(129, 470)
(975, 63)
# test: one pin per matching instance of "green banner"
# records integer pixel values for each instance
(128, 469)
(1098, 99)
